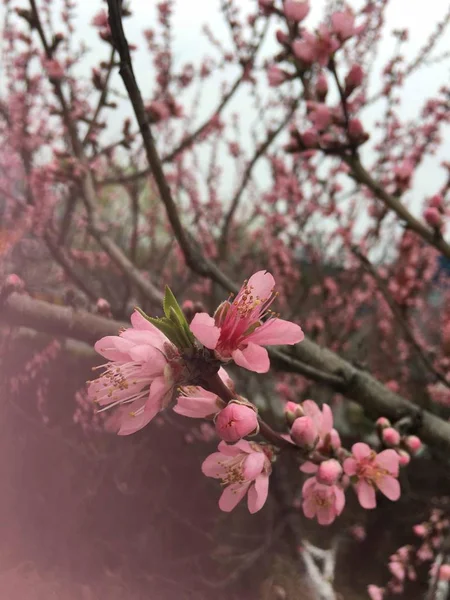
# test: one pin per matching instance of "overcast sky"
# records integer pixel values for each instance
(419, 16)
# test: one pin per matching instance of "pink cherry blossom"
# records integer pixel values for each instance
(329, 472)
(235, 421)
(343, 25)
(276, 76)
(242, 467)
(373, 471)
(304, 432)
(391, 436)
(143, 373)
(296, 9)
(198, 403)
(325, 502)
(375, 592)
(238, 330)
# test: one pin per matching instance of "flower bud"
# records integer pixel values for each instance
(413, 443)
(304, 432)
(444, 573)
(276, 76)
(103, 306)
(390, 436)
(14, 283)
(335, 439)
(329, 472)
(405, 458)
(296, 10)
(321, 87)
(353, 80)
(236, 420)
(420, 530)
(382, 422)
(433, 217)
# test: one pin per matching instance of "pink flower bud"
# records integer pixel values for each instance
(397, 570)
(276, 76)
(310, 138)
(304, 432)
(391, 436)
(103, 306)
(375, 592)
(354, 79)
(321, 116)
(405, 458)
(304, 51)
(444, 573)
(413, 443)
(335, 439)
(343, 24)
(420, 530)
(436, 201)
(356, 130)
(14, 283)
(282, 37)
(235, 421)
(329, 472)
(433, 217)
(296, 10)
(321, 87)
(383, 422)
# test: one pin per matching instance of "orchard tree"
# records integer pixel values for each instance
(197, 252)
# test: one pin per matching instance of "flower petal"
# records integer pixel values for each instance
(253, 357)
(389, 460)
(350, 466)
(211, 466)
(204, 328)
(277, 332)
(232, 495)
(366, 495)
(257, 494)
(361, 450)
(262, 284)
(309, 467)
(114, 348)
(390, 487)
(254, 464)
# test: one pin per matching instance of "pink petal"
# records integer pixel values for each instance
(389, 460)
(257, 494)
(366, 495)
(204, 328)
(340, 500)
(197, 407)
(244, 446)
(327, 419)
(211, 466)
(229, 449)
(311, 409)
(148, 354)
(326, 515)
(309, 467)
(309, 507)
(350, 465)
(253, 357)
(277, 332)
(390, 487)
(157, 397)
(130, 423)
(361, 450)
(262, 284)
(254, 464)
(114, 348)
(309, 483)
(232, 495)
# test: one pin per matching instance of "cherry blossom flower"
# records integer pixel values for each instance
(296, 10)
(198, 403)
(143, 372)
(375, 592)
(242, 467)
(236, 420)
(238, 330)
(373, 471)
(325, 502)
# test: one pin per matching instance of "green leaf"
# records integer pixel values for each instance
(170, 302)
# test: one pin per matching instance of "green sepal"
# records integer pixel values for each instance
(170, 303)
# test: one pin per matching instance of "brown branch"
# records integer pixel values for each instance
(271, 136)
(21, 310)
(399, 317)
(359, 173)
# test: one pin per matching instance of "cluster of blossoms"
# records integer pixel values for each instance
(319, 48)
(405, 562)
(165, 361)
